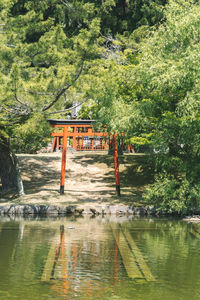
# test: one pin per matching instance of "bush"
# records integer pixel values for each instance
(31, 136)
(174, 195)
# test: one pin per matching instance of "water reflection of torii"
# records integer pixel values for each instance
(65, 279)
(132, 258)
(50, 266)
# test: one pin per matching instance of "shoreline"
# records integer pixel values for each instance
(93, 211)
(53, 210)
(89, 189)
(33, 212)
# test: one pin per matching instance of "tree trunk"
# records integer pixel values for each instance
(9, 170)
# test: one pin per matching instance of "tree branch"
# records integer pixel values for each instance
(67, 109)
(18, 110)
(23, 105)
(64, 89)
(20, 102)
(42, 94)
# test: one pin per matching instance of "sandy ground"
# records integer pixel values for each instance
(85, 179)
(89, 179)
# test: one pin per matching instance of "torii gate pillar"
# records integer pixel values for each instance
(116, 163)
(63, 166)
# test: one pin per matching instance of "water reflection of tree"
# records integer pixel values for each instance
(9, 232)
(169, 248)
(24, 250)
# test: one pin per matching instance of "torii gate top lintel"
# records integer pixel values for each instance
(62, 123)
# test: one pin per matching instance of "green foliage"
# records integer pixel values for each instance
(138, 140)
(40, 62)
(31, 136)
(88, 111)
(126, 16)
(59, 48)
(135, 62)
(168, 76)
(174, 196)
(3, 135)
(148, 88)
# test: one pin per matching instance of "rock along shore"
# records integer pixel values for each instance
(192, 219)
(48, 210)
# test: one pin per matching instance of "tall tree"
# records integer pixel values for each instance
(54, 51)
(169, 103)
(39, 63)
(150, 91)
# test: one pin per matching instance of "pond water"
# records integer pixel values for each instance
(99, 258)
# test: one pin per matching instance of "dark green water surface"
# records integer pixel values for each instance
(99, 258)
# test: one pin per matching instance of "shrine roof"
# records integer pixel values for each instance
(70, 122)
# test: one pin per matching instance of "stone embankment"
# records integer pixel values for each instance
(44, 210)
(192, 219)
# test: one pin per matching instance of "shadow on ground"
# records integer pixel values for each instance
(38, 172)
(89, 178)
(136, 172)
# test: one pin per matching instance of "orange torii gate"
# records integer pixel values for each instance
(78, 129)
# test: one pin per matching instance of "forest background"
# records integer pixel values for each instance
(134, 66)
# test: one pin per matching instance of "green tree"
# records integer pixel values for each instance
(39, 63)
(168, 101)
(55, 51)
(148, 88)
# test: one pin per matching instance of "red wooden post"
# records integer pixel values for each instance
(74, 139)
(92, 145)
(57, 143)
(53, 144)
(116, 162)
(110, 143)
(74, 142)
(64, 150)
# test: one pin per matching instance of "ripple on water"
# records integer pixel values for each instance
(99, 259)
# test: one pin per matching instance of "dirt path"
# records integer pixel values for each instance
(85, 179)
(89, 179)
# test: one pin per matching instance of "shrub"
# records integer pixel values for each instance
(174, 195)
